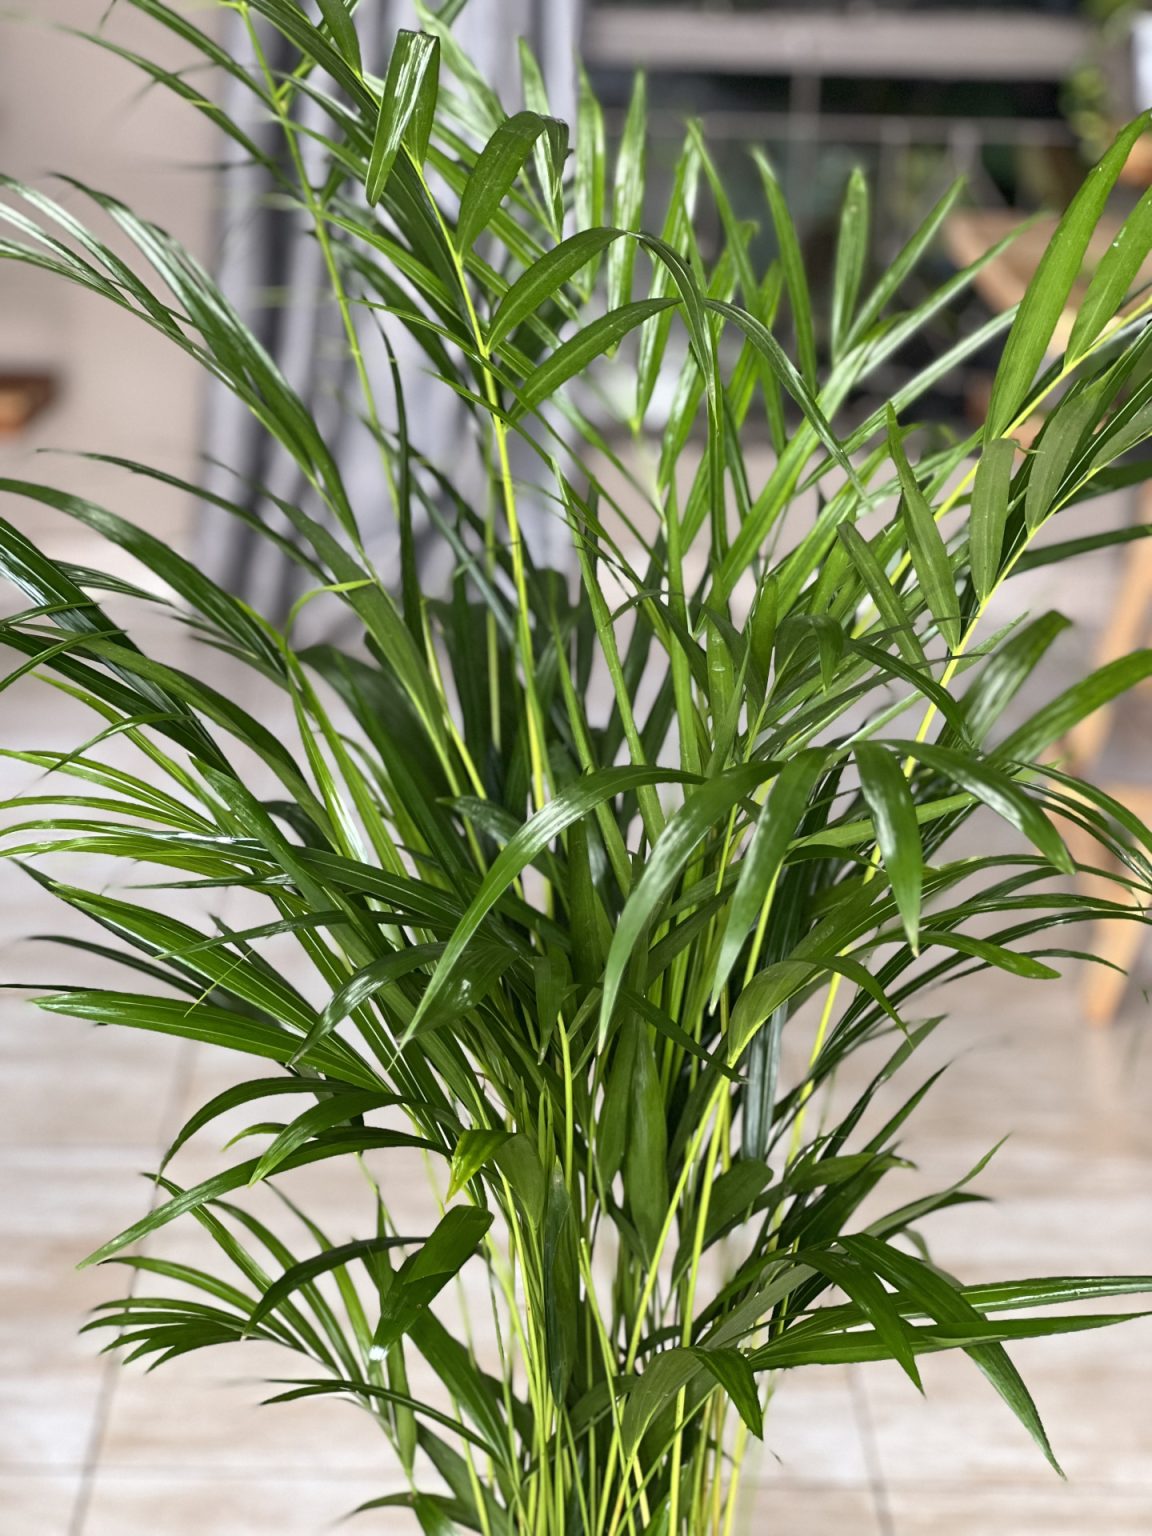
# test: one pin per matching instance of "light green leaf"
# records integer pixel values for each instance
(925, 545)
(473, 1151)
(792, 265)
(589, 190)
(1114, 276)
(628, 196)
(544, 278)
(851, 254)
(494, 174)
(406, 107)
(1051, 283)
(574, 355)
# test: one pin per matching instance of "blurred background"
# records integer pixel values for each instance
(1018, 98)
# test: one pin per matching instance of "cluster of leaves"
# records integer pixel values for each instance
(560, 945)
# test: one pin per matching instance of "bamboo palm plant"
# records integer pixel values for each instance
(577, 864)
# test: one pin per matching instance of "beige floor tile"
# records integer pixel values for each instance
(785, 1509)
(48, 1417)
(204, 1413)
(181, 1505)
(36, 1505)
(214, 1504)
(45, 1302)
(1061, 1231)
(1090, 1390)
(72, 1193)
(69, 1083)
(1056, 1510)
(811, 1433)
(57, 1205)
(50, 1387)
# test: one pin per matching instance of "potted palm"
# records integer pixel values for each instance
(594, 878)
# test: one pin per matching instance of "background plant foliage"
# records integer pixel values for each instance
(558, 946)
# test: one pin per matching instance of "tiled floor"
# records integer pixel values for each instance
(92, 1449)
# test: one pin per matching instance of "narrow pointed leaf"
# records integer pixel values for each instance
(889, 604)
(628, 195)
(947, 1305)
(495, 173)
(998, 791)
(691, 823)
(424, 1275)
(927, 548)
(851, 254)
(406, 107)
(1114, 276)
(304, 1273)
(792, 265)
(1075, 704)
(897, 831)
(764, 857)
(546, 825)
(732, 1373)
(1047, 293)
(990, 495)
(574, 355)
(338, 18)
(545, 278)
(473, 1151)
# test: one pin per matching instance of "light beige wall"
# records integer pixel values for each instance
(67, 105)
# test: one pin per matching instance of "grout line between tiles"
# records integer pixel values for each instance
(862, 1412)
(102, 1413)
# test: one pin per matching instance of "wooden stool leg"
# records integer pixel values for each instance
(1125, 631)
(1114, 941)
(1102, 989)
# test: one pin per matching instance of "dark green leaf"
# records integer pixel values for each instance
(991, 491)
(897, 831)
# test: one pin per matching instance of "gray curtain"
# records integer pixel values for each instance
(273, 271)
